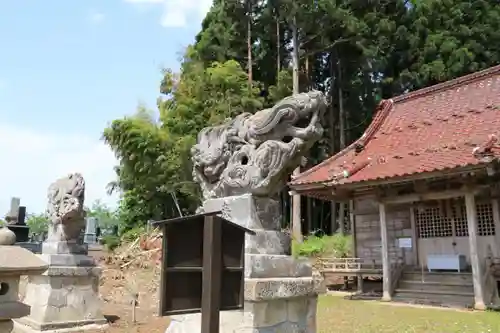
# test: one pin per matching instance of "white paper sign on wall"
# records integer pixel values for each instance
(405, 242)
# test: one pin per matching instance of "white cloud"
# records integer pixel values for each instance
(96, 17)
(177, 13)
(31, 160)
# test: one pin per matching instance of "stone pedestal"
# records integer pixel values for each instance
(66, 296)
(280, 291)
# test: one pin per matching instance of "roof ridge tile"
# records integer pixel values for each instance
(460, 81)
(383, 109)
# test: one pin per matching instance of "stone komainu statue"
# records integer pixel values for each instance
(65, 208)
(255, 153)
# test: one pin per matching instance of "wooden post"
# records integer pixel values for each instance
(386, 264)
(496, 221)
(163, 272)
(414, 238)
(360, 283)
(352, 218)
(477, 278)
(333, 217)
(212, 270)
(342, 218)
(310, 227)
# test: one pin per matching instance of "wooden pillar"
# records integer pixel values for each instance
(360, 283)
(212, 268)
(352, 219)
(386, 264)
(333, 217)
(414, 236)
(496, 220)
(342, 218)
(477, 273)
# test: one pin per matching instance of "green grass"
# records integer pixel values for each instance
(336, 315)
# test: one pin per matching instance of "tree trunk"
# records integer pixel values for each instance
(296, 216)
(332, 125)
(342, 120)
(309, 201)
(249, 43)
(307, 84)
(278, 46)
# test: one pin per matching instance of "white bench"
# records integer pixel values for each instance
(456, 262)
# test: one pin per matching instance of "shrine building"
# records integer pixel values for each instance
(423, 187)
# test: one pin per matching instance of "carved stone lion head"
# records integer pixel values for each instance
(65, 207)
(255, 153)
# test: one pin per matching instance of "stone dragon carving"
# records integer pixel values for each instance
(65, 208)
(255, 153)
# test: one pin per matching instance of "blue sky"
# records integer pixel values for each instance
(67, 68)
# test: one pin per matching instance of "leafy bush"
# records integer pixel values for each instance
(132, 234)
(338, 246)
(111, 242)
(107, 218)
(38, 223)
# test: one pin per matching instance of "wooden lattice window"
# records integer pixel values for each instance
(485, 223)
(431, 223)
(460, 219)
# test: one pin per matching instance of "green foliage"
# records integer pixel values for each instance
(283, 88)
(356, 51)
(111, 242)
(38, 223)
(107, 218)
(337, 246)
(145, 176)
(132, 234)
(448, 39)
(154, 156)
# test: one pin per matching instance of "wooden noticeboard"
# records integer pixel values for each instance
(201, 253)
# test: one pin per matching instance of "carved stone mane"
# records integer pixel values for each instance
(65, 208)
(255, 153)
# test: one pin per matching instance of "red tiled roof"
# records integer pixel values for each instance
(431, 129)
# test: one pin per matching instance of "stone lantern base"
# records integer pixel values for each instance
(15, 262)
(66, 297)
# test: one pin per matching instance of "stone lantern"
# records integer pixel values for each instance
(14, 262)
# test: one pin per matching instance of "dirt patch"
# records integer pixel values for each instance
(118, 287)
(134, 269)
